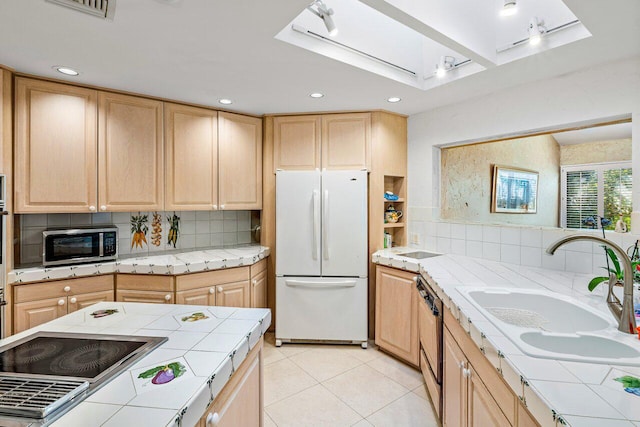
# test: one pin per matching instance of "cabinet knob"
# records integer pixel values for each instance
(215, 206)
(466, 373)
(221, 206)
(415, 279)
(461, 365)
(67, 289)
(167, 297)
(255, 282)
(60, 302)
(92, 208)
(220, 289)
(212, 291)
(103, 208)
(212, 419)
(73, 300)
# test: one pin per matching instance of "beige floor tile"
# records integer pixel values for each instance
(268, 422)
(397, 371)
(365, 390)
(283, 379)
(271, 354)
(323, 364)
(422, 392)
(408, 411)
(315, 406)
(292, 349)
(365, 355)
(362, 423)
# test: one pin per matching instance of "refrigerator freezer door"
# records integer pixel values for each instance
(344, 223)
(332, 308)
(298, 233)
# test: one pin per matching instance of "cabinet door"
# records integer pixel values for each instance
(239, 161)
(202, 296)
(346, 141)
(34, 313)
(259, 290)
(234, 294)
(454, 411)
(524, 418)
(55, 147)
(131, 170)
(483, 409)
(77, 302)
(396, 313)
(296, 142)
(157, 297)
(191, 138)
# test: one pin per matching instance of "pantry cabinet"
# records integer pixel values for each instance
(130, 142)
(55, 147)
(191, 147)
(41, 302)
(396, 312)
(239, 161)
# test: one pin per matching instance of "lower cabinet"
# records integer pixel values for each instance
(153, 297)
(259, 284)
(397, 313)
(229, 287)
(240, 403)
(41, 302)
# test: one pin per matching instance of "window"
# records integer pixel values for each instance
(595, 190)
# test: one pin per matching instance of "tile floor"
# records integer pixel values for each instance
(339, 385)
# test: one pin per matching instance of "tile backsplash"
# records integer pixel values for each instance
(197, 229)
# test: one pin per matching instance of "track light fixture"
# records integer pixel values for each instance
(446, 63)
(324, 13)
(509, 8)
(536, 30)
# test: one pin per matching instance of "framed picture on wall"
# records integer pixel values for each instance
(514, 190)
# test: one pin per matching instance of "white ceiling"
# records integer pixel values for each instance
(201, 50)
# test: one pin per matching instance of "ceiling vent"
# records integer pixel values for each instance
(100, 8)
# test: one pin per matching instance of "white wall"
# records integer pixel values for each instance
(589, 95)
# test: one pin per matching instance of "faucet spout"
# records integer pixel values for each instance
(623, 312)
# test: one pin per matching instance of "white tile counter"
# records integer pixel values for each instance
(168, 264)
(210, 349)
(555, 391)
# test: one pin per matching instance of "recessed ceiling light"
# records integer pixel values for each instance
(509, 9)
(65, 70)
(316, 95)
(394, 99)
(225, 101)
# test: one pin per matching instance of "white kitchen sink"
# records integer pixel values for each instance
(553, 326)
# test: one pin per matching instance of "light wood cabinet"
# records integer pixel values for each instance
(235, 294)
(239, 161)
(483, 409)
(241, 401)
(152, 297)
(55, 147)
(259, 284)
(191, 147)
(37, 303)
(454, 410)
(397, 313)
(296, 142)
(200, 296)
(130, 142)
(346, 141)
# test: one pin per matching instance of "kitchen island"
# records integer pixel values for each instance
(556, 391)
(213, 346)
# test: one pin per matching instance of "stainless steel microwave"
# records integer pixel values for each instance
(79, 245)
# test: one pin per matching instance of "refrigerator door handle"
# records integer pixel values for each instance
(312, 284)
(316, 197)
(325, 225)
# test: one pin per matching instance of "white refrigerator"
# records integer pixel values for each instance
(321, 256)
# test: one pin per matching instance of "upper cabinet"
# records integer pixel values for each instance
(55, 147)
(331, 141)
(346, 141)
(296, 142)
(191, 144)
(239, 161)
(130, 170)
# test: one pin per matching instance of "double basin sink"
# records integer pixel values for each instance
(552, 326)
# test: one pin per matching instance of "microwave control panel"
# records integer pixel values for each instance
(109, 243)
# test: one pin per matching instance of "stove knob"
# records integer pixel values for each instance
(67, 289)
(167, 297)
(212, 419)
(61, 302)
(212, 291)
(73, 300)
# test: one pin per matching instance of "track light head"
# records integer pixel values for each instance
(446, 63)
(325, 13)
(536, 30)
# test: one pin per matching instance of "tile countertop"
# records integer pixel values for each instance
(174, 263)
(210, 349)
(578, 394)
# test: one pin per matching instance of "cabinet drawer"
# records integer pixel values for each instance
(258, 267)
(432, 386)
(211, 278)
(153, 297)
(56, 289)
(145, 282)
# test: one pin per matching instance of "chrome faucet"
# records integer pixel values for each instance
(623, 312)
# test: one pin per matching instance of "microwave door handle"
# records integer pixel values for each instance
(101, 244)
